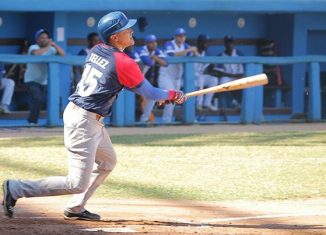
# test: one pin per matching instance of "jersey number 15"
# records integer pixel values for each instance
(88, 82)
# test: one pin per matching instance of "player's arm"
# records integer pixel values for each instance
(60, 51)
(131, 77)
(152, 93)
(34, 51)
(170, 50)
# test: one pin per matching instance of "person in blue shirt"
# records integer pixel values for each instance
(153, 58)
(36, 75)
(7, 85)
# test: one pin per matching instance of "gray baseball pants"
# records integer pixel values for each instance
(91, 158)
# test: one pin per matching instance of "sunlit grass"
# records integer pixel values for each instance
(224, 166)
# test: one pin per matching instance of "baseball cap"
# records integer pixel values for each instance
(150, 38)
(202, 38)
(180, 31)
(39, 32)
(228, 38)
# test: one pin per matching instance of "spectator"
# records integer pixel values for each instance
(230, 72)
(204, 80)
(273, 72)
(170, 76)
(17, 71)
(7, 85)
(36, 75)
(92, 40)
(152, 59)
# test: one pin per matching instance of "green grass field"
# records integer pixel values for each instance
(251, 166)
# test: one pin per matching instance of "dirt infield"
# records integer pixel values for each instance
(35, 216)
(143, 216)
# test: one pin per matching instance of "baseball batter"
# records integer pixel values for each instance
(90, 153)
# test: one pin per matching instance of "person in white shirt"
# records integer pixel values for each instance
(7, 86)
(230, 72)
(204, 80)
(36, 75)
(153, 58)
(171, 76)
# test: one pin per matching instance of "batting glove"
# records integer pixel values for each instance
(175, 97)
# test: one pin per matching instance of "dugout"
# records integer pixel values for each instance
(298, 27)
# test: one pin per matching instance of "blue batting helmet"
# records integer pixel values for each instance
(112, 23)
(150, 38)
(180, 31)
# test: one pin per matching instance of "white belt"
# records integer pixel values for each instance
(98, 117)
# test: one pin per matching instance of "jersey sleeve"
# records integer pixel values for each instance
(32, 48)
(186, 46)
(128, 71)
(160, 53)
(52, 51)
(169, 48)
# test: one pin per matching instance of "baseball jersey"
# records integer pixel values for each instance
(173, 71)
(200, 67)
(134, 55)
(107, 71)
(2, 70)
(38, 72)
(230, 68)
(84, 51)
(145, 57)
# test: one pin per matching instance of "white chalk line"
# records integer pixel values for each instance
(206, 222)
(110, 230)
(209, 221)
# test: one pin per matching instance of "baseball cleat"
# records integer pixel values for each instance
(8, 201)
(85, 215)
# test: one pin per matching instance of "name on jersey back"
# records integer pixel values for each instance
(100, 61)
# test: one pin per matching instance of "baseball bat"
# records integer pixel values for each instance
(242, 83)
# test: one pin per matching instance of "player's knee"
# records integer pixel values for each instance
(77, 186)
(111, 163)
(8, 83)
(11, 82)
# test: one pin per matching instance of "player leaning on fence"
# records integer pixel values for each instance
(91, 156)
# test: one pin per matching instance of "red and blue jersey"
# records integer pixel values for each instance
(107, 71)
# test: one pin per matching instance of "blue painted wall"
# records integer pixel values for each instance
(14, 25)
(213, 24)
(296, 34)
(303, 23)
(317, 44)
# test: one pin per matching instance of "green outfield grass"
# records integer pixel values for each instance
(253, 166)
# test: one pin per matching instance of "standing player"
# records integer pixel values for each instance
(153, 59)
(170, 76)
(90, 153)
(204, 80)
(230, 72)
